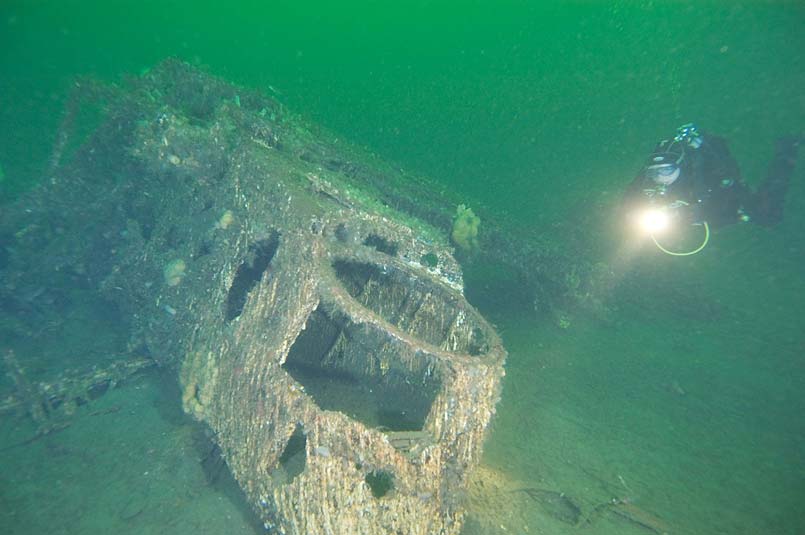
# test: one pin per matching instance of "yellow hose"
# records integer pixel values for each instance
(688, 253)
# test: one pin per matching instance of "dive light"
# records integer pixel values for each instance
(657, 220)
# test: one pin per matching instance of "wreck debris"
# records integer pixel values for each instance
(50, 404)
(557, 504)
(626, 511)
(321, 333)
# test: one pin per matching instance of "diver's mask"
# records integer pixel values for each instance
(665, 165)
(662, 173)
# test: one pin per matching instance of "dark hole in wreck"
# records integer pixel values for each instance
(380, 482)
(293, 460)
(348, 368)
(249, 274)
(417, 307)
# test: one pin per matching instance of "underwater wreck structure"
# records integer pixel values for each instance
(315, 325)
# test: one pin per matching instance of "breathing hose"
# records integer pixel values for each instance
(687, 253)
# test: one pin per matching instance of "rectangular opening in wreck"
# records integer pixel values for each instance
(363, 372)
(249, 273)
(293, 460)
(414, 304)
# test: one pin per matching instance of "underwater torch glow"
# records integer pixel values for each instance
(654, 220)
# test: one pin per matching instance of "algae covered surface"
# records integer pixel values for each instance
(664, 398)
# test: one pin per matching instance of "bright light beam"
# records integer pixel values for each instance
(654, 220)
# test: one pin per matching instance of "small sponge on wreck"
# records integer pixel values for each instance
(465, 228)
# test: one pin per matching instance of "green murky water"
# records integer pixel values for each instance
(686, 400)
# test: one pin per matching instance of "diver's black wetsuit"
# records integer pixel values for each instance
(708, 185)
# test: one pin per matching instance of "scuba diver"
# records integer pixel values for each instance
(692, 179)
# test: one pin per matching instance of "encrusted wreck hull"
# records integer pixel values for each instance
(322, 335)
